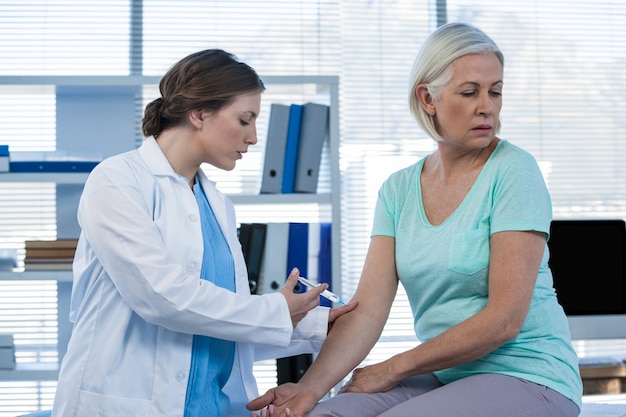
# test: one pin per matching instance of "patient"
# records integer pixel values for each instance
(464, 230)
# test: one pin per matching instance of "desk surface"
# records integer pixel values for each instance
(603, 379)
(616, 371)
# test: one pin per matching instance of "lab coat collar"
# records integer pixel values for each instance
(154, 157)
(156, 161)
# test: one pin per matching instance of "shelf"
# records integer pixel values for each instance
(281, 198)
(60, 276)
(31, 372)
(78, 81)
(75, 98)
(81, 177)
(55, 177)
(133, 80)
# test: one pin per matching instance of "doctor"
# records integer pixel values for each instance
(164, 323)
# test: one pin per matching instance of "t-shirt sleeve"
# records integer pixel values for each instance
(521, 198)
(383, 216)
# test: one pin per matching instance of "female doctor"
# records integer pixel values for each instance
(164, 323)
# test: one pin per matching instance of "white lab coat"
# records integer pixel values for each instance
(137, 297)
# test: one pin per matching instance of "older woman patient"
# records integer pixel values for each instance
(464, 230)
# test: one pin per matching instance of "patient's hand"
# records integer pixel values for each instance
(337, 312)
(286, 400)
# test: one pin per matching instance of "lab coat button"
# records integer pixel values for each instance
(192, 266)
(180, 376)
(193, 218)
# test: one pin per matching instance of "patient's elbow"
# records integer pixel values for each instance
(510, 329)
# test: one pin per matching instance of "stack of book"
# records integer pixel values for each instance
(50, 254)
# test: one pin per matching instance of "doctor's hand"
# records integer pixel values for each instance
(300, 304)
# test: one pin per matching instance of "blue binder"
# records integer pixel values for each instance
(298, 252)
(291, 149)
(325, 266)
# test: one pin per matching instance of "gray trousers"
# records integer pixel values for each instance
(483, 395)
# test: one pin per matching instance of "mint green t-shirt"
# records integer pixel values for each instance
(444, 268)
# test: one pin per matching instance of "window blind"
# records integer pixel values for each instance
(64, 37)
(563, 102)
(378, 134)
(562, 94)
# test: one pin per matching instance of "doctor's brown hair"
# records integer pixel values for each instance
(208, 80)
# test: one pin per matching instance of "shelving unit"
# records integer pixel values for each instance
(80, 178)
(59, 276)
(57, 178)
(82, 86)
(31, 372)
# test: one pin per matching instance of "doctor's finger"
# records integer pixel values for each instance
(292, 279)
(312, 296)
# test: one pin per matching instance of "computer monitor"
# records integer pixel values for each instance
(587, 263)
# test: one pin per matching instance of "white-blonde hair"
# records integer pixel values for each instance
(432, 64)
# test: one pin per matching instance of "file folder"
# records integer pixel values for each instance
(256, 247)
(274, 262)
(298, 252)
(313, 133)
(243, 234)
(275, 145)
(325, 267)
